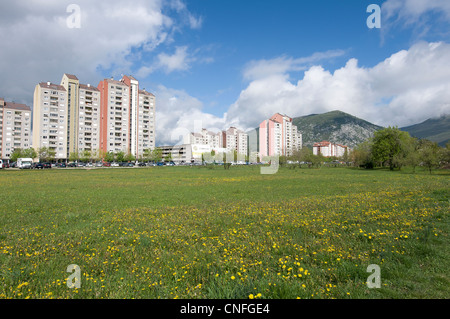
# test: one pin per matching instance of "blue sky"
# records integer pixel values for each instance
(238, 62)
(234, 33)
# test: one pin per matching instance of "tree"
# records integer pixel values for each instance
(109, 157)
(317, 160)
(129, 157)
(74, 157)
(29, 153)
(120, 156)
(147, 155)
(361, 155)
(46, 154)
(430, 154)
(85, 156)
(388, 146)
(346, 157)
(157, 154)
(446, 154)
(17, 153)
(413, 155)
(100, 155)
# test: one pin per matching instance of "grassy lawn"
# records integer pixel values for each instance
(181, 232)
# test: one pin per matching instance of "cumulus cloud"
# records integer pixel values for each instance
(179, 61)
(408, 87)
(38, 45)
(178, 114)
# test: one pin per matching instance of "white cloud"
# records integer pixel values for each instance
(417, 15)
(179, 61)
(37, 44)
(261, 68)
(178, 113)
(406, 88)
(410, 10)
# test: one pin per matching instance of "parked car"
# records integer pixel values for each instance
(142, 164)
(160, 164)
(61, 165)
(106, 164)
(81, 164)
(39, 166)
(47, 165)
(72, 165)
(115, 164)
(130, 164)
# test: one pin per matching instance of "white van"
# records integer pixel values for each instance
(1, 164)
(23, 163)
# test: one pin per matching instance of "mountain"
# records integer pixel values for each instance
(436, 130)
(334, 126)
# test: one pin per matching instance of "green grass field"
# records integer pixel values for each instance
(181, 232)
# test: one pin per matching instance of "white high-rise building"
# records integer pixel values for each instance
(50, 118)
(15, 128)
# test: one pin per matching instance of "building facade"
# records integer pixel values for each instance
(329, 149)
(15, 128)
(278, 136)
(127, 117)
(72, 86)
(50, 118)
(235, 140)
(229, 140)
(146, 122)
(88, 119)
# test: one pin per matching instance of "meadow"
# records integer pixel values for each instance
(182, 232)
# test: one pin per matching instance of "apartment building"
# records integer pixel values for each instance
(72, 86)
(329, 149)
(88, 119)
(114, 116)
(2, 105)
(235, 139)
(127, 117)
(146, 138)
(278, 136)
(178, 153)
(225, 141)
(50, 118)
(15, 128)
(205, 137)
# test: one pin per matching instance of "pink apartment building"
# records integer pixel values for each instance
(278, 136)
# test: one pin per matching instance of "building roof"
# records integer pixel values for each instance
(49, 85)
(144, 92)
(17, 106)
(322, 144)
(277, 117)
(71, 76)
(89, 87)
(112, 81)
